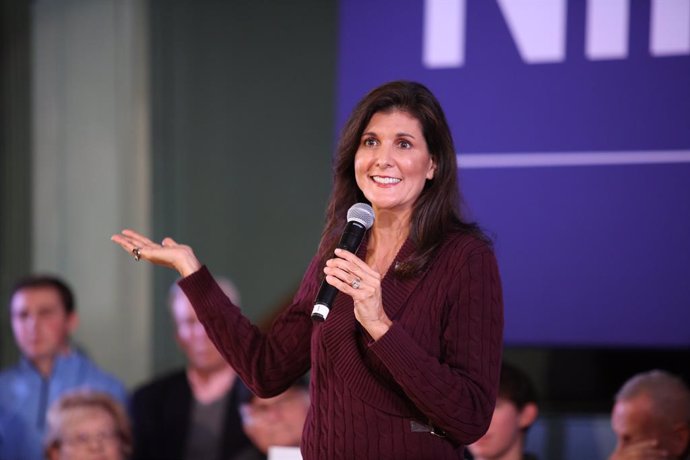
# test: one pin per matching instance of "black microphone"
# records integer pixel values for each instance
(360, 218)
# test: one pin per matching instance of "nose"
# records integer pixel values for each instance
(96, 443)
(31, 323)
(384, 155)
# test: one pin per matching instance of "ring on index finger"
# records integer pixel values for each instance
(137, 253)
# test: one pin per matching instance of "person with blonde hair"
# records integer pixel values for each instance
(87, 424)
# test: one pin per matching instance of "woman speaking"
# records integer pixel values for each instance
(407, 363)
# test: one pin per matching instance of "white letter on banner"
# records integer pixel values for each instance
(537, 27)
(669, 33)
(607, 29)
(444, 34)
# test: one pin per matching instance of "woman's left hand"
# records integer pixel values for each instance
(352, 276)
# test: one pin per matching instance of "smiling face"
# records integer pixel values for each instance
(392, 163)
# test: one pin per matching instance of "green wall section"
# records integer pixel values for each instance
(15, 160)
(242, 137)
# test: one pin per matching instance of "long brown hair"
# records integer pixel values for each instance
(437, 210)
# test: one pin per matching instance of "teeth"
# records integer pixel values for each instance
(385, 180)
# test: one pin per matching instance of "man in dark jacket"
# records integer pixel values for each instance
(192, 413)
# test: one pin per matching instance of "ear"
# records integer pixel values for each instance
(432, 170)
(528, 415)
(681, 439)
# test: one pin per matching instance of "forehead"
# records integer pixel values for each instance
(633, 417)
(398, 119)
(182, 310)
(86, 418)
(35, 298)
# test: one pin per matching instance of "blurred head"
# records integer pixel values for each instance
(87, 425)
(276, 421)
(516, 410)
(436, 207)
(653, 405)
(42, 316)
(202, 355)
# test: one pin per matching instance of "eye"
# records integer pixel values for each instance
(370, 142)
(405, 144)
(21, 316)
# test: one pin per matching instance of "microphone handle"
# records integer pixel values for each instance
(350, 241)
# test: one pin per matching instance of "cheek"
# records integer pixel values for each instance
(360, 163)
(184, 335)
(360, 169)
(504, 423)
(49, 330)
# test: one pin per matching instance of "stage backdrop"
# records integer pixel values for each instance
(572, 126)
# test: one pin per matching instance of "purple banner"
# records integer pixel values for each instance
(572, 124)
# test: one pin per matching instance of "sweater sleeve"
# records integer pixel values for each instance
(456, 392)
(267, 363)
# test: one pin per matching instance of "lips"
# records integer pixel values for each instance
(386, 180)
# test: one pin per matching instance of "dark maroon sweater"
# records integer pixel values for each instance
(437, 366)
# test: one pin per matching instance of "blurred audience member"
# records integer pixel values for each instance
(192, 413)
(516, 410)
(43, 317)
(276, 421)
(87, 425)
(651, 418)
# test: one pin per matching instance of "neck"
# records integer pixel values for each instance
(210, 385)
(44, 364)
(387, 236)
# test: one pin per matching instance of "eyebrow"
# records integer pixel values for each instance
(400, 134)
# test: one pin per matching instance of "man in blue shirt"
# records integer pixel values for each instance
(43, 318)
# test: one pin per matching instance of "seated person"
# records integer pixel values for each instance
(651, 418)
(516, 410)
(85, 424)
(192, 413)
(276, 421)
(43, 317)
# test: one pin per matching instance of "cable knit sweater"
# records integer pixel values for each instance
(437, 367)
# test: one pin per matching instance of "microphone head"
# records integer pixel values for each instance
(362, 213)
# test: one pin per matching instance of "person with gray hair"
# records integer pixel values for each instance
(651, 418)
(191, 413)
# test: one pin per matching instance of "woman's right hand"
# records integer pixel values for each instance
(169, 254)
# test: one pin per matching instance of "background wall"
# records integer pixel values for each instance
(91, 168)
(15, 158)
(242, 137)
